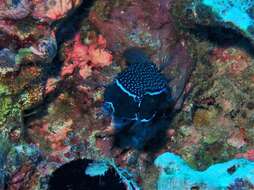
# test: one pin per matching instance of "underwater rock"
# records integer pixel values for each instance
(136, 23)
(232, 61)
(241, 184)
(66, 128)
(53, 136)
(5, 104)
(29, 40)
(247, 155)
(236, 15)
(176, 174)
(27, 24)
(150, 27)
(27, 64)
(51, 85)
(51, 10)
(5, 147)
(217, 106)
(64, 124)
(46, 48)
(22, 158)
(7, 62)
(43, 10)
(10, 112)
(15, 9)
(237, 139)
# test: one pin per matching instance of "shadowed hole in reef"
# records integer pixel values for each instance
(224, 37)
(65, 29)
(150, 136)
(71, 176)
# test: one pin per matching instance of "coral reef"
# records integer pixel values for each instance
(86, 57)
(248, 155)
(151, 27)
(219, 15)
(64, 63)
(50, 10)
(44, 10)
(236, 13)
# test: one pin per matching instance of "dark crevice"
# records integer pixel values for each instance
(223, 37)
(144, 136)
(72, 176)
(65, 30)
(69, 26)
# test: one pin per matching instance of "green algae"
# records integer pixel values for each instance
(5, 104)
(22, 53)
(10, 111)
(187, 154)
(102, 9)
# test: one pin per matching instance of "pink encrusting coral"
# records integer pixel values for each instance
(86, 57)
(51, 85)
(248, 155)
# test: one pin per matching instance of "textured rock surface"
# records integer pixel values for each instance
(57, 60)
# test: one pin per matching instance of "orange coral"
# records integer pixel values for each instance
(99, 57)
(101, 41)
(86, 57)
(78, 55)
(85, 71)
(50, 85)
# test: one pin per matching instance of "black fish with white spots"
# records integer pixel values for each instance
(138, 93)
